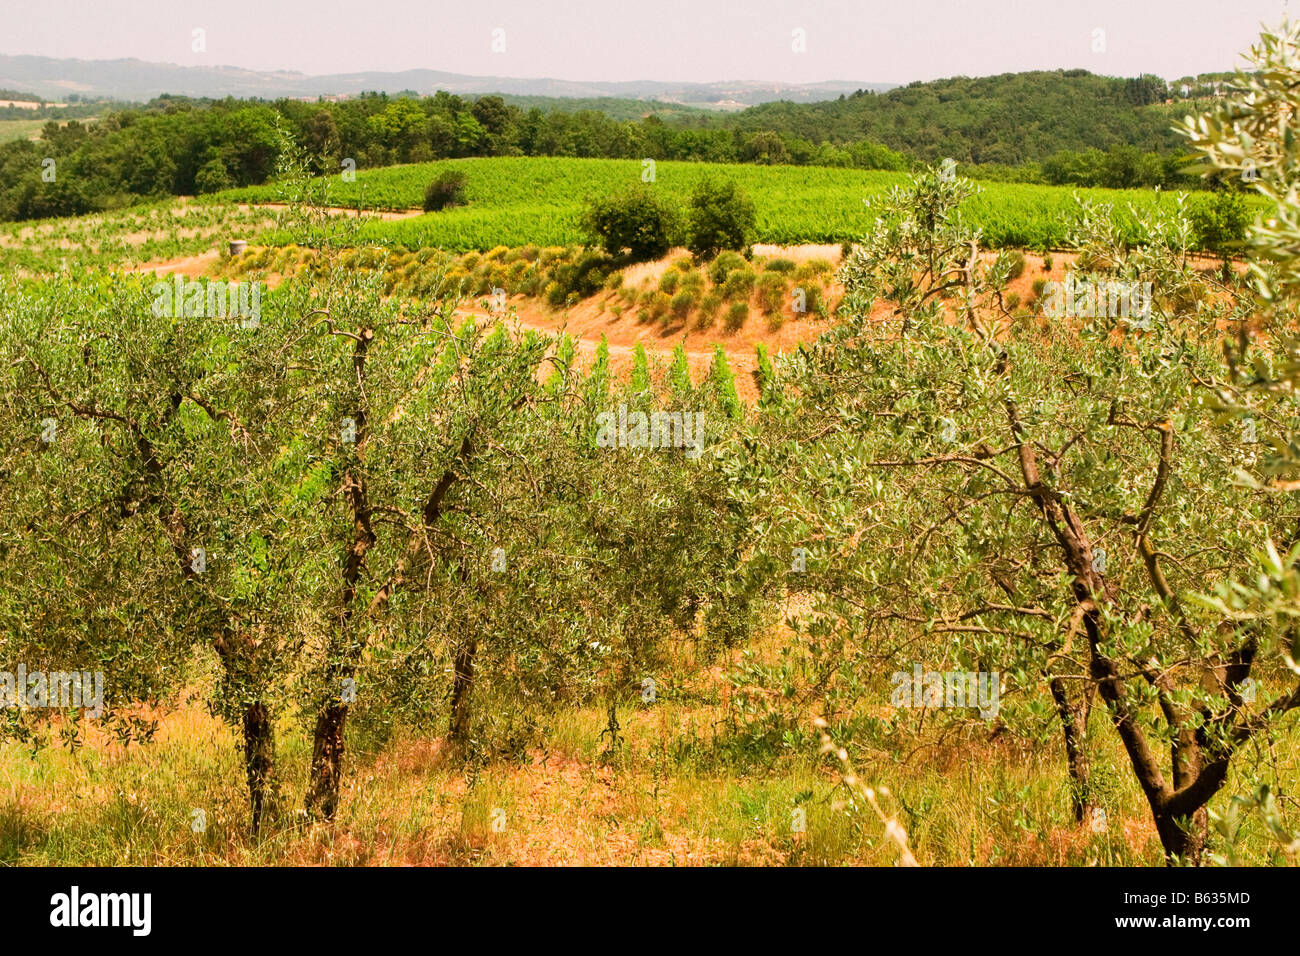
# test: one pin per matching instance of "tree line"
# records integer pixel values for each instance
(1064, 127)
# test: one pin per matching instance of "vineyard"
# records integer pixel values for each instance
(128, 237)
(520, 202)
(515, 201)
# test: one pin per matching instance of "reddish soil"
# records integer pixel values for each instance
(590, 320)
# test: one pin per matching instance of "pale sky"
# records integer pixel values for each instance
(885, 41)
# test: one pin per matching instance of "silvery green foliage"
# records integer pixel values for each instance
(920, 251)
(1250, 133)
(336, 511)
(897, 455)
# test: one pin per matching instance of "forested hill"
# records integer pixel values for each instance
(1012, 118)
(1062, 128)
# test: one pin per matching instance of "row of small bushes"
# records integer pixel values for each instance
(560, 274)
(566, 275)
(731, 281)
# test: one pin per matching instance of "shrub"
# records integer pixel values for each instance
(737, 313)
(614, 281)
(1039, 285)
(585, 276)
(445, 191)
(725, 263)
(1017, 260)
(1013, 301)
(532, 283)
(1047, 263)
(710, 302)
(283, 261)
(721, 217)
(668, 283)
(784, 266)
(1219, 221)
(721, 384)
(739, 284)
(212, 177)
(771, 292)
(660, 303)
(683, 302)
(693, 281)
(813, 301)
(639, 221)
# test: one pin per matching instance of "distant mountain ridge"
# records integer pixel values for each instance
(132, 79)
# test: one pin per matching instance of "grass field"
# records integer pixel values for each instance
(514, 201)
(682, 790)
(20, 129)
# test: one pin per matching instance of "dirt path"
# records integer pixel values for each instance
(387, 214)
(192, 267)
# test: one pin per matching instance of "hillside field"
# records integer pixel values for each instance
(20, 129)
(514, 201)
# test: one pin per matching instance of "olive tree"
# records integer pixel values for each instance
(1042, 503)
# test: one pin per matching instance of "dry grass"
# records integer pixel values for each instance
(680, 791)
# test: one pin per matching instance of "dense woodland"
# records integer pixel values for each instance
(1011, 119)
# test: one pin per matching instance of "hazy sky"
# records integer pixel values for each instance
(868, 40)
